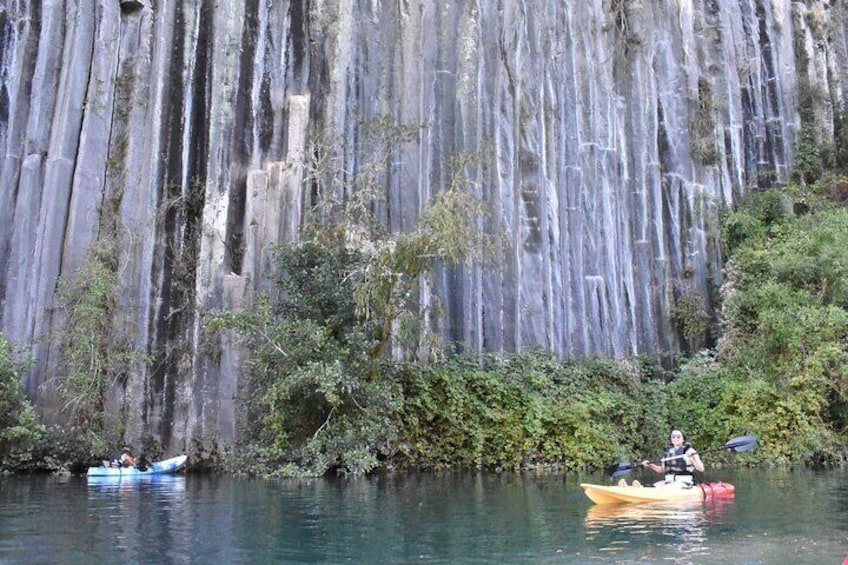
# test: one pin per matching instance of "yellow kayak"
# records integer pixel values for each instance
(601, 494)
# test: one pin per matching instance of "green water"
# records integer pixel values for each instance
(776, 517)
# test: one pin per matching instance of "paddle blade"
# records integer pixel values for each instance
(617, 467)
(741, 443)
(621, 469)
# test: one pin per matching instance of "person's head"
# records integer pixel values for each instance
(677, 438)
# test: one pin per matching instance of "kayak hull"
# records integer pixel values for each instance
(164, 467)
(601, 494)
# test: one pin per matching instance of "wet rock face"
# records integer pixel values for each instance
(614, 132)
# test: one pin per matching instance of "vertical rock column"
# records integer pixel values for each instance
(274, 206)
(273, 214)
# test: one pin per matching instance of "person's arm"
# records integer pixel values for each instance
(653, 466)
(696, 460)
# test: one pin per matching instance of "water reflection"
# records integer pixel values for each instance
(170, 483)
(140, 516)
(679, 529)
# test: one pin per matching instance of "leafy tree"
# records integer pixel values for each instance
(389, 278)
(318, 398)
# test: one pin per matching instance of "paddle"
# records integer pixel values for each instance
(737, 445)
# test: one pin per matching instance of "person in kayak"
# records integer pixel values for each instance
(127, 459)
(123, 458)
(686, 461)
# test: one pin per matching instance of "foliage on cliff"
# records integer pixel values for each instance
(97, 355)
(781, 366)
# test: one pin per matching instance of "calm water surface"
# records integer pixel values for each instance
(779, 517)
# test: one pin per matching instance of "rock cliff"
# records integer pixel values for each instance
(179, 132)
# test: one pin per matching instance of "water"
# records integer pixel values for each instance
(794, 517)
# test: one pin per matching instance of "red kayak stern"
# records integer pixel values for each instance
(717, 490)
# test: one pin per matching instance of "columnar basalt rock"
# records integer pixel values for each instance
(614, 132)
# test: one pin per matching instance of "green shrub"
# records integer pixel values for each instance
(524, 411)
(691, 316)
(785, 344)
(22, 435)
(808, 162)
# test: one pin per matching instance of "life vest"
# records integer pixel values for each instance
(681, 466)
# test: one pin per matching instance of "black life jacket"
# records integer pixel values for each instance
(678, 466)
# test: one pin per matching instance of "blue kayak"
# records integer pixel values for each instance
(167, 466)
